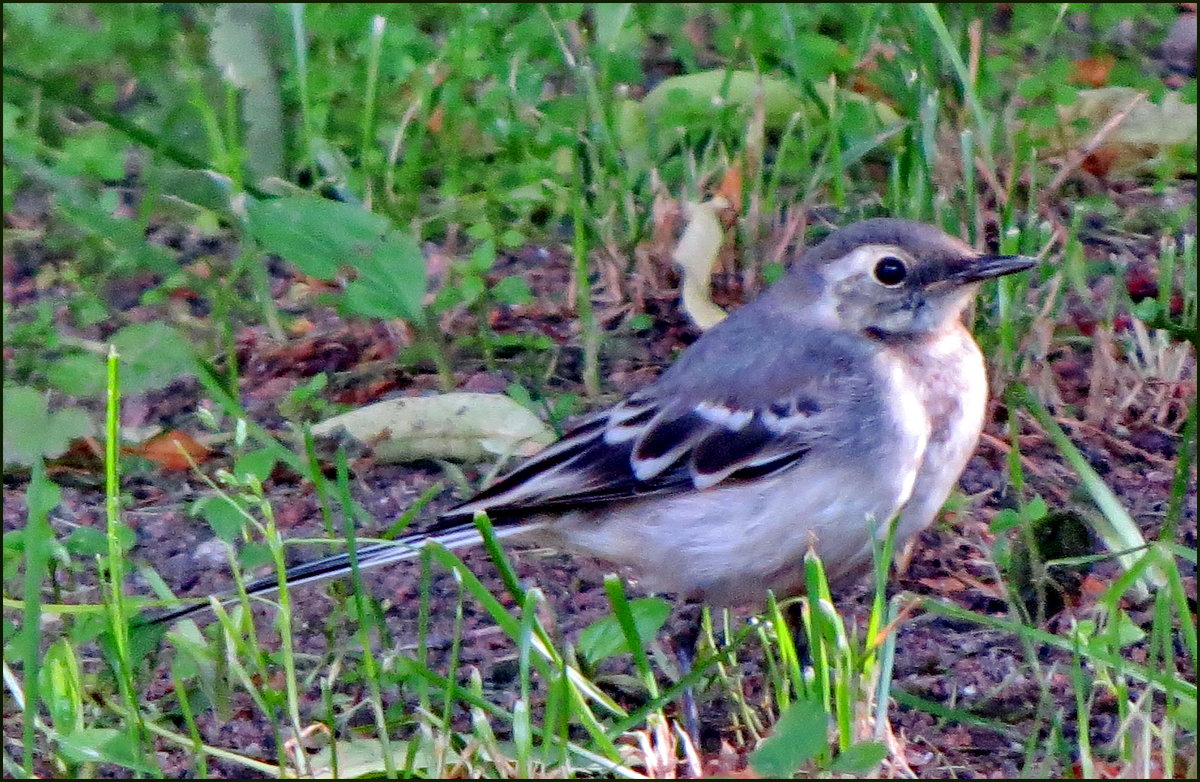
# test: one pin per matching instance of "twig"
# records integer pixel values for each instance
(992, 181)
(1114, 442)
(795, 223)
(975, 39)
(1003, 446)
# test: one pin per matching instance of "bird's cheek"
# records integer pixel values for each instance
(923, 316)
(897, 317)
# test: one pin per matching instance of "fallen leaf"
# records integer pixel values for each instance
(437, 119)
(1092, 71)
(1093, 586)
(201, 269)
(460, 426)
(183, 294)
(84, 456)
(731, 187)
(173, 450)
(1148, 135)
(1100, 162)
(301, 326)
(696, 254)
(945, 585)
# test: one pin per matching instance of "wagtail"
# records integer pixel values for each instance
(848, 395)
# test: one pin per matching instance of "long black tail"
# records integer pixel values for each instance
(377, 554)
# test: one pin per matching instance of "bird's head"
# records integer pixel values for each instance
(896, 278)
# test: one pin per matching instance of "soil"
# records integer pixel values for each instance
(1125, 418)
(952, 663)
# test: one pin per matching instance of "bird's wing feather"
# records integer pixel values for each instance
(647, 446)
(766, 398)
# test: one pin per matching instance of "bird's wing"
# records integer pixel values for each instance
(651, 445)
(750, 398)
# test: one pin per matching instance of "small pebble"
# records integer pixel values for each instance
(1179, 49)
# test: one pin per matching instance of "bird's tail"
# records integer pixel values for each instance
(374, 555)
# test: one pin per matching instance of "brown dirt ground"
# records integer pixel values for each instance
(937, 659)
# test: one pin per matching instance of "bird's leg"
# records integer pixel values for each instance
(691, 713)
(685, 642)
(793, 615)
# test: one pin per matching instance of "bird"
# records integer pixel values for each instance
(848, 396)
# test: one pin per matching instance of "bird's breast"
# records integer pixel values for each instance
(952, 385)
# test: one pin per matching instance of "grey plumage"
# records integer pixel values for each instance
(847, 394)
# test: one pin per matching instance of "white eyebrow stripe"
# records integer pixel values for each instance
(734, 420)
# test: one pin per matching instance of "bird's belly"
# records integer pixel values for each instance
(728, 546)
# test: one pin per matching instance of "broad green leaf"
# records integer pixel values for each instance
(800, 735)
(80, 374)
(95, 154)
(62, 687)
(391, 280)
(603, 638)
(690, 99)
(88, 541)
(259, 463)
(315, 234)
(152, 355)
(820, 56)
(859, 759)
(610, 18)
(195, 660)
(104, 745)
(225, 518)
(31, 431)
(482, 257)
(512, 290)
(255, 555)
(126, 238)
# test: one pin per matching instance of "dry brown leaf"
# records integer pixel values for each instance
(731, 187)
(1100, 162)
(173, 450)
(301, 326)
(436, 119)
(1093, 71)
(945, 585)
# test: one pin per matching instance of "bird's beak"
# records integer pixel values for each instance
(988, 266)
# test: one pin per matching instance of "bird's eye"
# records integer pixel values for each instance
(890, 271)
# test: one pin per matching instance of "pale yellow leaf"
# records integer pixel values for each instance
(461, 426)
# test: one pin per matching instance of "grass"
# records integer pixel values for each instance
(483, 130)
